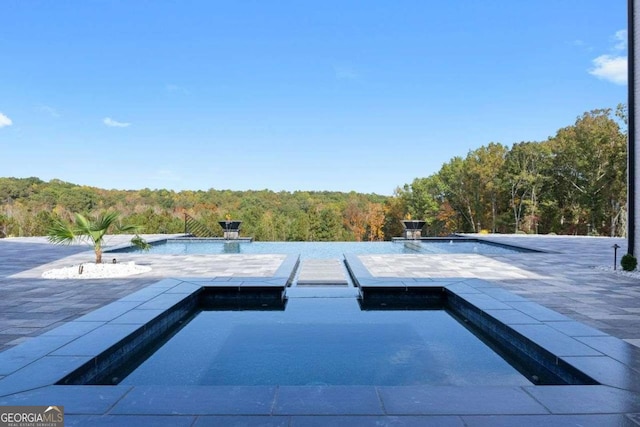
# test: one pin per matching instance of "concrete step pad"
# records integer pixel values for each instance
(322, 272)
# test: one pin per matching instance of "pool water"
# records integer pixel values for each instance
(328, 249)
(321, 341)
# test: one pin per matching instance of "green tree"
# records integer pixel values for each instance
(589, 169)
(395, 209)
(484, 167)
(326, 225)
(4, 225)
(422, 198)
(300, 228)
(460, 191)
(525, 172)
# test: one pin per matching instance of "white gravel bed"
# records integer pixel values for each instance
(91, 270)
(635, 274)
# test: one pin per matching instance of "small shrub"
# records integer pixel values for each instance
(629, 262)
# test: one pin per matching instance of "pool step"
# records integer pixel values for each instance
(322, 272)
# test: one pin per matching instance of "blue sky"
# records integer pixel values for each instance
(292, 95)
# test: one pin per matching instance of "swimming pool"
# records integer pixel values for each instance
(303, 345)
(217, 334)
(328, 249)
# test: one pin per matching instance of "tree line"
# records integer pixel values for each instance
(30, 206)
(572, 183)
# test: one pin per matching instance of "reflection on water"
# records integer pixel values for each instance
(327, 249)
(231, 248)
(325, 341)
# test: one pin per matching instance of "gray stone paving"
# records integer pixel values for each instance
(566, 279)
(444, 266)
(30, 305)
(606, 300)
(322, 272)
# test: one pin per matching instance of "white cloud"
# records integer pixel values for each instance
(610, 68)
(5, 121)
(621, 40)
(613, 67)
(115, 124)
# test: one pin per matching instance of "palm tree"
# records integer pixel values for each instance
(93, 231)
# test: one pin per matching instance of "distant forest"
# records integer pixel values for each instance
(572, 183)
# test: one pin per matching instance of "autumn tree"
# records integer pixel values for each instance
(375, 221)
(355, 218)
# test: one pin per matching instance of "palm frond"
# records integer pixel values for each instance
(61, 234)
(101, 225)
(105, 221)
(140, 243)
(83, 224)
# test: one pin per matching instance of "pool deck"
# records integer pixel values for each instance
(568, 280)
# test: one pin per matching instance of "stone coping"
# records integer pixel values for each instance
(30, 371)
